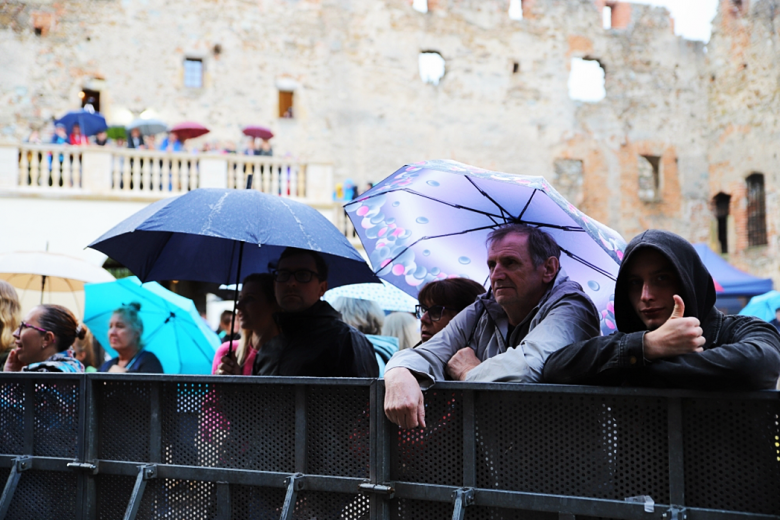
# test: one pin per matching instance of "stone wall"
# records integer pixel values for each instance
(502, 104)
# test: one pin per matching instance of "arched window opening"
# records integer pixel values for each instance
(720, 205)
(431, 67)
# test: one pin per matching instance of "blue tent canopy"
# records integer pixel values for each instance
(733, 281)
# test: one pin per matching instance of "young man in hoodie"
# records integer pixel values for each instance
(669, 332)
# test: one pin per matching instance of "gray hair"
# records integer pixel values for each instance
(129, 313)
(541, 245)
(403, 326)
(365, 315)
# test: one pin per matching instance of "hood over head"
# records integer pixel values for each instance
(696, 286)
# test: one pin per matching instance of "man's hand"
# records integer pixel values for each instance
(404, 404)
(229, 366)
(459, 365)
(677, 336)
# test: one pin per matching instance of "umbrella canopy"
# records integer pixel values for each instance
(90, 123)
(429, 221)
(189, 130)
(763, 306)
(173, 329)
(148, 126)
(44, 277)
(258, 131)
(200, 236)
(730, 281)
(388, 297)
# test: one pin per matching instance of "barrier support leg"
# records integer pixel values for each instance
(462, 498)
(144, 473)
(20, 464)
(294, 484)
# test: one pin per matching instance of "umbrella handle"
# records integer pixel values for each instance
(235, 298)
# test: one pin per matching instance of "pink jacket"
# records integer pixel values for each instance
(223, 350)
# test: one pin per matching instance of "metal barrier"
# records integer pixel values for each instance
(102, 446)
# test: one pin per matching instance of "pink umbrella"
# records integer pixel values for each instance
(189, 130)
(258, 131)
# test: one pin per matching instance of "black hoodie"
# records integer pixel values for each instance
(740, 353)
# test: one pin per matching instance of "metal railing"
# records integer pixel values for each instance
(194, 447)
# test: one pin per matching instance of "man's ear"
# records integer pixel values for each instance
(550, 269)
(323, 287)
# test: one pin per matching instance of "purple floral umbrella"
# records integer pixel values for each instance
(429, 221)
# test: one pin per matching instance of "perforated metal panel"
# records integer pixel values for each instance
(732, 455)
(113, 495)
(256, 503)
(44, 495)
(12, 418)
(433, 455)
(404, 509)
(317, 505)
(123, 419)
(56, 425)
(231, 426)
(338, 431)
(580, 445)
(178, 500)
(495, 513)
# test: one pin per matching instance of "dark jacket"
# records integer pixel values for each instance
(740, 353)
(316, 343)
(145, 362)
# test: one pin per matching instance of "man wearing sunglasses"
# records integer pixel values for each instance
(534, 310)
(313, 341)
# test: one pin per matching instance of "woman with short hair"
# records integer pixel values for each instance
(442, 300)
(125, 330)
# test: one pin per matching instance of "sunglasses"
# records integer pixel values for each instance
(301, 275)
(24, 325)
(434, 312)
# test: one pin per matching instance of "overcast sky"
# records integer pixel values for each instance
(692, 18)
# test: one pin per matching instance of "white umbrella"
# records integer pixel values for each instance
(60, 278)
(388, 297)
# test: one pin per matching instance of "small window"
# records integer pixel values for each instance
(587, 80)
(515, 9)
(515, 67)
(606, 17)
(286, 104)
(420, 5)
(431, 67)
(721, 204)
(42, 22)
(649, 177)
(756, 210)
(90, 98)
(193, 73)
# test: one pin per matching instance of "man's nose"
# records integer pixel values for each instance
(647, 293)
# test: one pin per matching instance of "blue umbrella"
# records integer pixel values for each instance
(173, 329)
(201, 235)
(429, 221)
(762, 306)
(90, 122)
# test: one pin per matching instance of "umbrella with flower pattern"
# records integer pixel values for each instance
(429, 221)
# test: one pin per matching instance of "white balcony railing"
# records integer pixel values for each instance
(50, 167)
(150, 171)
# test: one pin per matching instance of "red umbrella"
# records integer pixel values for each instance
(258, 131)
(189, 130)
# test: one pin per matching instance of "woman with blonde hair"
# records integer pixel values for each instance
(84, 350)
(256, 308)
(10, 317)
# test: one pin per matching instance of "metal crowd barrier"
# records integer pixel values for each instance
(104, 446)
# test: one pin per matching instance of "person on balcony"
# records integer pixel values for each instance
(76, 137)
(263, 148)
(135, 139)
(43, 341)
(669, 332)
(171, 143)
(313, 341)
(60, 135)
(534, 310)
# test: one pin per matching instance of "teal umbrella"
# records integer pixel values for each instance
(173, 329)
(762, 306)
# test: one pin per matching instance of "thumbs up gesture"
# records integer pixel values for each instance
(679, 335)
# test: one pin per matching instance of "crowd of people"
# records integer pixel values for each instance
(534, 325)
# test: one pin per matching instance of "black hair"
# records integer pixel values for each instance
(319, 262)
(63, 324)
(453, 293)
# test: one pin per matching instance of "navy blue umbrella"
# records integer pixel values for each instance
(221, 235)
(89, 122)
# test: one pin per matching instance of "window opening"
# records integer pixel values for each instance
(90, 98)
(756, 210)
(515, 9)
(606, 17)
(420, 6)
(587, 80)
(721, 203)
(431, 67)
(515, 68)
(193, 73)
(286, 104)
(649, 177)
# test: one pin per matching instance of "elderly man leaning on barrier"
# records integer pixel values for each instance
(534, 310)
(669, 332)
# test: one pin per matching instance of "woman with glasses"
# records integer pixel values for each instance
(441, 300)
(256, 307)
(43, 341)
(10, 316)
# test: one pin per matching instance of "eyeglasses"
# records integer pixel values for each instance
(24, 325)
(434, 313)
(301, 275)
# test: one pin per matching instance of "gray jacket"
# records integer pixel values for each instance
(564, 315)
